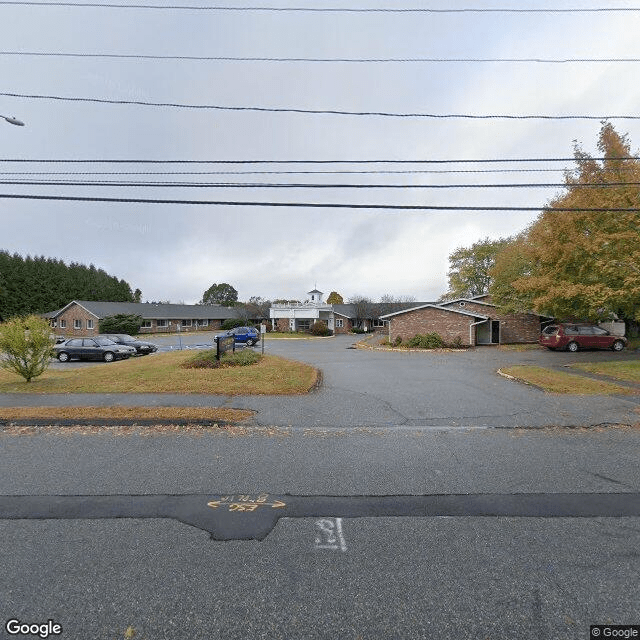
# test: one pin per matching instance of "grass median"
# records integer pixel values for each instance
(560, 382)
(162, 373)
(164, 414)
(629, 371)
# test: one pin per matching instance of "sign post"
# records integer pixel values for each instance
(263, 333)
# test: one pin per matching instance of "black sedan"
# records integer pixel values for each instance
(99, 348)
(141, 347)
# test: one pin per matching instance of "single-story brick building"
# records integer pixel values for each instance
(474, 321)
(81, 317)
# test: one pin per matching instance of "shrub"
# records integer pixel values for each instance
(241, 358)
(431, 340)
(320, 328)
(457, 343)
(26, 345)
(357, 330)
(398, 341)
(121, 323)
(207, 359)
(232, 323)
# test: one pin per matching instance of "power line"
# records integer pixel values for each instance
(318, 9)
(289, 185)
(134, 56)
(243, 173)
(308, 161)
(303, 205)
(387, 114)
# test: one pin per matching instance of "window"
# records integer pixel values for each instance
(304, 325)
(54, 323)
(380, 323)
(203, 323)
(77, 324)
(160, 323)
(76, 342)
(146, 324)
(339, 323)
(63, 324)
(89, 324)
(185, 323)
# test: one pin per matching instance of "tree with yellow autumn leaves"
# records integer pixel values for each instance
(580, 259)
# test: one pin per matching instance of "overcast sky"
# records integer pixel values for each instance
(176, 252)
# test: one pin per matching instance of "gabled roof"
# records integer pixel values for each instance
(474, 300)
(151, 311)
(439, 308)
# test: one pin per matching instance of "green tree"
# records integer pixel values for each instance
(121, 323)
(335, 298)
(25, 344)
(583, 264)
(470, 267)
(222, 293)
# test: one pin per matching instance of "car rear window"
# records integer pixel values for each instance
(551, 330)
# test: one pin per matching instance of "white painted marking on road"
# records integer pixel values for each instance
(330, 535)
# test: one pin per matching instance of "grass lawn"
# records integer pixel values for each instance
(560, 382)
(520, 347)
(629, 371)
(210, 414)
(161, 373)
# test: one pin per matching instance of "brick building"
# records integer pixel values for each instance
(339, 318)
(474, 321)
(81, 317)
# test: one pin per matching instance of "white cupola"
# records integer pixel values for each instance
(316, 296)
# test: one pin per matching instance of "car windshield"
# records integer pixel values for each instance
(413, 206)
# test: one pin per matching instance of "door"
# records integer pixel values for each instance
(495, 332)
(91, 350)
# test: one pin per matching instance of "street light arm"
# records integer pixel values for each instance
(12, 120)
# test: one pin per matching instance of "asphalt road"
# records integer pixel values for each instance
(383, 424)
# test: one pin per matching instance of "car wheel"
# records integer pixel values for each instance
(572, 346)
(63, 356)
(618, 345)
(250, 343)
(108, 357)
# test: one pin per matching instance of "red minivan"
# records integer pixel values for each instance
(579, 336)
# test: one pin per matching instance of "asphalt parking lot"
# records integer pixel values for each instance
(364, 388)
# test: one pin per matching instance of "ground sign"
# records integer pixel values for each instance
(224, 343)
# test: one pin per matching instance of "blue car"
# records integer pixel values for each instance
(245, 335)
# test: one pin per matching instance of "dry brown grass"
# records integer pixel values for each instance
(161, 373)
(197, 414)
(629, 371)
(560, 382)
